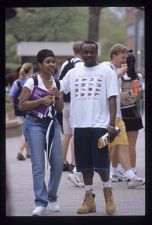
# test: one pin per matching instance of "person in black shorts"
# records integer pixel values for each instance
(94, 89)
(131, 114)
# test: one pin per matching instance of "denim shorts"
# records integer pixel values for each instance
(87, 154)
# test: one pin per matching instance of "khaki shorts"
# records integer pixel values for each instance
(66, 122)
(122, 138)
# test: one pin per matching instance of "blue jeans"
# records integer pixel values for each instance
(34, 130)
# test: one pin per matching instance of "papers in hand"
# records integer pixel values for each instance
(104, 140)
(41, 110)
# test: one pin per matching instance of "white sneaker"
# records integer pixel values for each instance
(134, 170)
(54, 206)
(39, 211)
(121, 170)
(135, 182)
(120, 175)
(116, 177)
(76, 179)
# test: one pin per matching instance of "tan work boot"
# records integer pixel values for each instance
(89, 204)
(109, 201)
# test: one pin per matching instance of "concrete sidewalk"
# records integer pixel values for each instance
(128, 201)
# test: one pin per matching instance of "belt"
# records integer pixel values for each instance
(32, 115)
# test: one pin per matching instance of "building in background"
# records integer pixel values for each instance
(27, 51)
(135, 31)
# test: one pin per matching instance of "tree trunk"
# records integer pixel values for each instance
(94, 18)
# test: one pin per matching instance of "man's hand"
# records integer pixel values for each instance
(111, 133)
(122, 71)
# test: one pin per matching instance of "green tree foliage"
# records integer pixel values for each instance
(59, 24)
(112, 31)
(45, 24)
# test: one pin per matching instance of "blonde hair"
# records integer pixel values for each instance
(117, 49)
(25, 69)
(76, 47)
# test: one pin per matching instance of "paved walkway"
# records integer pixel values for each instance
(128, 201)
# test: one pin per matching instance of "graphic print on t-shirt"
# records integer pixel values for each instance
(87, 87)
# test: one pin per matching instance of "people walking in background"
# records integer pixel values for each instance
(67, 137)
(59, 115)
(42, 132)
(24, 73)
(119, 149)
(93, 89)
(11, 77)
(130, 106)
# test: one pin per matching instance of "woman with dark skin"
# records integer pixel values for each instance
(42, 133)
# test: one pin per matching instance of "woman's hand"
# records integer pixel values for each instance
(48, 100)
(54, 91)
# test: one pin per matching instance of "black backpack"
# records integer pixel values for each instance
(16, 97)
(70, 65)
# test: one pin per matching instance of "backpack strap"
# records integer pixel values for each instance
(70, 64)
(57, 84)
(19, 84)
(77, 61)
(19, 88)
(35, 79)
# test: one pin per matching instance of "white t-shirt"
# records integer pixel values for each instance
(30, 85)
(90, 89)
(119, 87)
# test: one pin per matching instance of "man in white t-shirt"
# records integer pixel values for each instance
(67, 136)
(93, 89)
(119, 148)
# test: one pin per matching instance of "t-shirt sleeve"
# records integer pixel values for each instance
(13, 89)
(65, 83)
(29, 84)
(112, 83)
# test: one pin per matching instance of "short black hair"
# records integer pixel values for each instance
(44, 53)
(89, 42)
